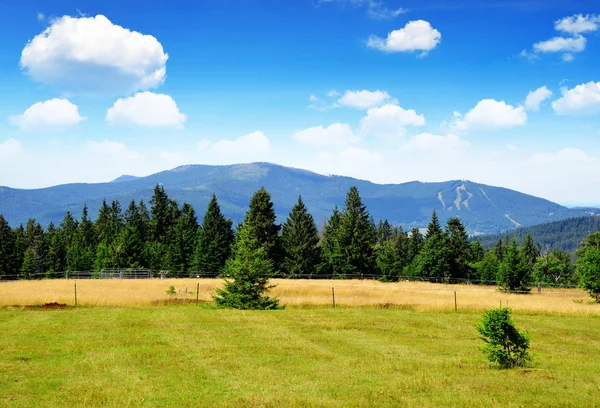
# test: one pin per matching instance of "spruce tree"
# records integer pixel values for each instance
(56, 256)
(357, 237)
(102, 224)
(214, 240)
(434, 226)
(514, 272)
(499, 250)
(458, 242)
(185, 233)
(260, 222)
(300, 241)
(35, 252)
(331, 252)
(392, 257)
(415, 244)
(435, 259)
(247, 274)
(530, 252)
(7, 248)
(384, 232)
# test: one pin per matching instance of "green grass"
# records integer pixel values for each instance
(183, 355)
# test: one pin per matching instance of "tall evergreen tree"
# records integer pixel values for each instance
(392, 256)
(102, 224)
(460, 249)
(35, 252)
(514, 272)
(185, 234)
(214, 240)
(7, 248)
(331, 252)
(21, 246)
(415, 244)
(300, 241)
(384, 232)
(435, 259)
(434, 226)
(530, 251)
(357, 237)
(56, 257)
(260, 221)
(499, 250)
(162, 215)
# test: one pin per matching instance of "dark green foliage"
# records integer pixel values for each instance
(514, 272)
(162, 216)
(499, 250)
(185, 239)
(247, 274)
(460, 249)
(530, 251)
(332, 256)
(392, 255)
(260, 222)
(488, 268)
(214, 241)
(384, 232)
(356, 238)
(415, 244)
(56, 256)
(564, 235)
(435, 259)
(35, 250)
(7, 248)
(504, 345)
(554, 268)
(588, 265)
(434, 226)
(300, 241)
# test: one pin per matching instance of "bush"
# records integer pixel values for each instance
(505, 344)
(171, 290)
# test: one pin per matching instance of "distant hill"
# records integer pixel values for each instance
(565, 235)
(483, 209)
(124, 177)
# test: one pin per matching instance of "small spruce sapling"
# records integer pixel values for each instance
(504, 343)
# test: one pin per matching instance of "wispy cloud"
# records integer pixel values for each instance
(377, 10)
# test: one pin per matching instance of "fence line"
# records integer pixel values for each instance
(150, 274)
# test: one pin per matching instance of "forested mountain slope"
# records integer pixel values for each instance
(483, 209)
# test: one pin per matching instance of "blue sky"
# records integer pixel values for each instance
(390, 91)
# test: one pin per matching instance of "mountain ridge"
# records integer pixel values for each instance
(483, 208)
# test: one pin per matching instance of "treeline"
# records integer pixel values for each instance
(564, 235)
(168, 237)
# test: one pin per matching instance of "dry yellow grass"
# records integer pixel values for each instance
(417, 295)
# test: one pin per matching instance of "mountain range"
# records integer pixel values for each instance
(483, 209)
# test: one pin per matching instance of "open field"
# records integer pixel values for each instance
(413, 295)
(185, 355)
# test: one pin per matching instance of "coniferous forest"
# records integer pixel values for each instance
(163, 235)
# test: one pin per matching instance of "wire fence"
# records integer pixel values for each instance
(153, 274)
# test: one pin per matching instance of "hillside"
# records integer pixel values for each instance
(483, 209)
(564, 235)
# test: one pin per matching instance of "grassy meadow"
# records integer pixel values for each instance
(129, 344)
(415, 295)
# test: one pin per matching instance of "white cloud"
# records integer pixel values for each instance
(583, 99)
(50, 114)
(40, 16)
(535, 98)
(389, 121)
(333, 93)
(567, 155)
(10, 148)
(91, 54)
(490, 114)
(416, 35)
(427, 142)
(561, 44)
(578, 23)
(568, 57)
(313, 98)
(146, 109)
(250, 147)
(335, 135)
(364, 99)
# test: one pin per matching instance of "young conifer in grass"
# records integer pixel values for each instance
(247, 275)
(504, 345)
(300, 241)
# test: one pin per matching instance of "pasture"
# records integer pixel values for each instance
(131, 344)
